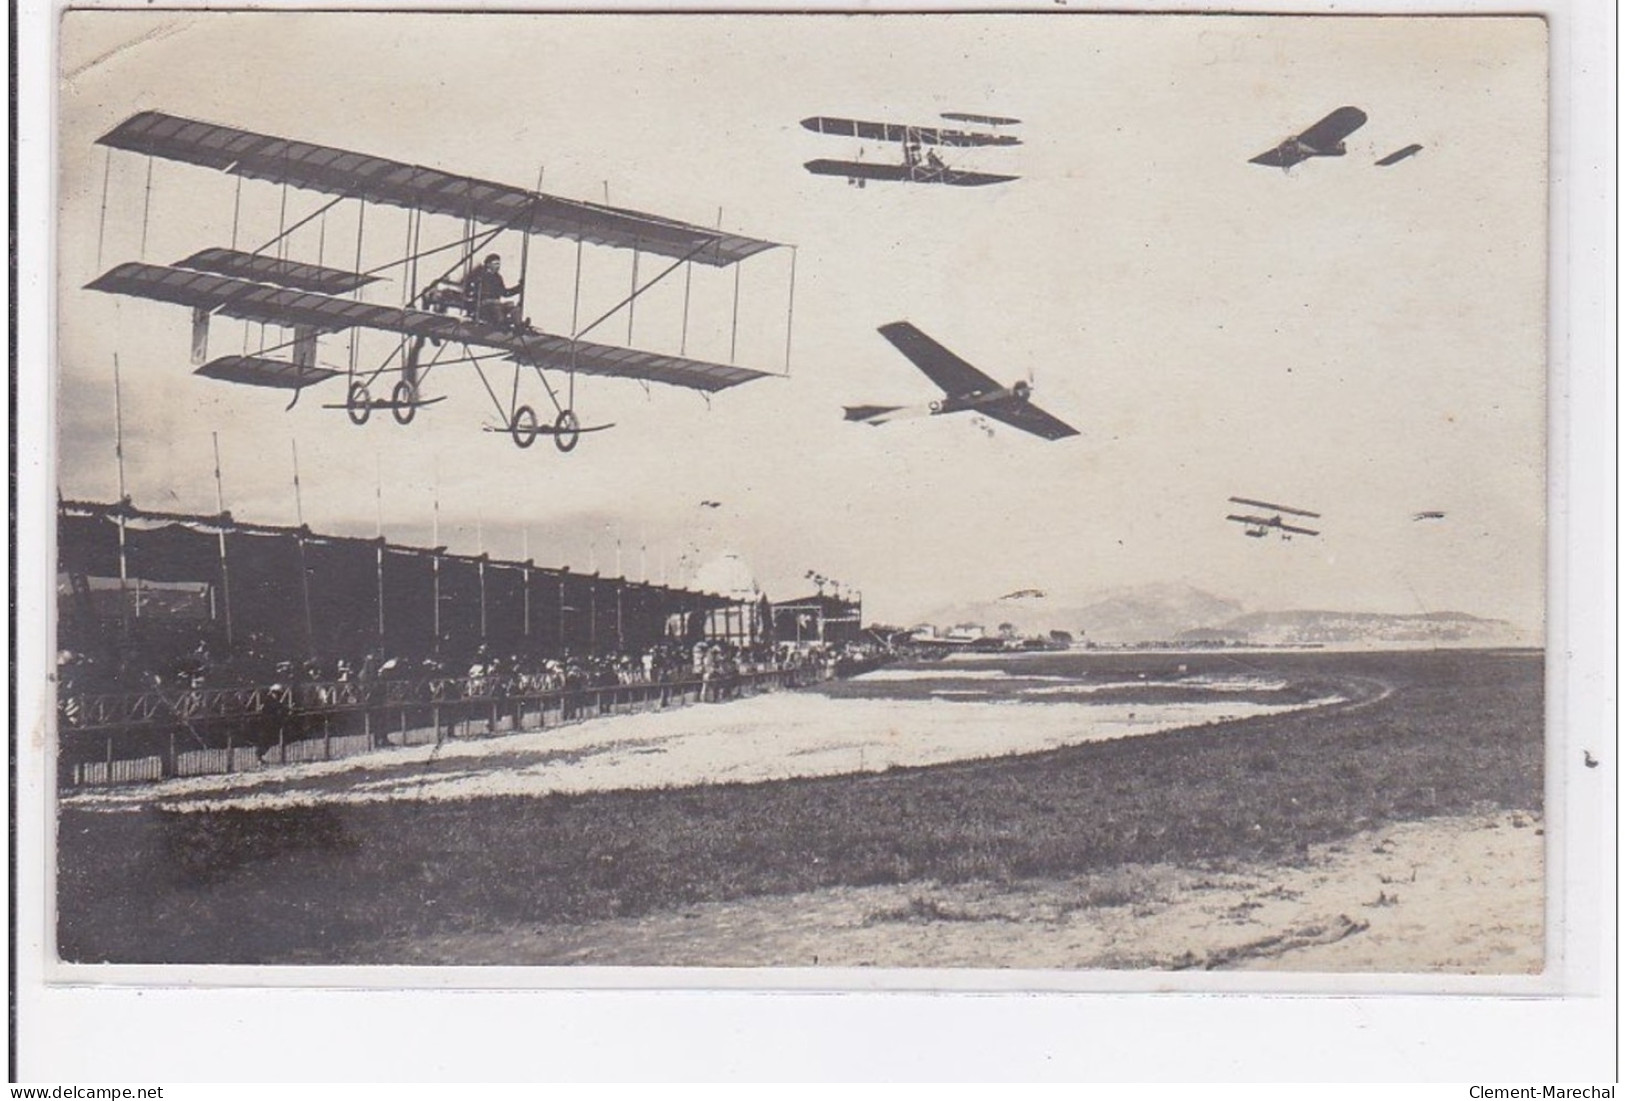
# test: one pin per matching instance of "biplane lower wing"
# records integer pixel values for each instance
(325, 313)
(562, 354)
(902, 173)
(1029, 418)
(271, 269)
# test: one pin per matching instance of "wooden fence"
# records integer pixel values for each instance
(117, 739)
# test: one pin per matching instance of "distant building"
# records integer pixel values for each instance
(819, 619)
(741, 620)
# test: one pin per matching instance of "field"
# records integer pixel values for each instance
(1101, 828)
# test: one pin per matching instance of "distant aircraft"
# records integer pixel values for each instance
(1323, 139)
(965, 388)
(1260, 526)
(710, 504)
(920, 165)
(1431, 515)
(1023, 593)
(1399, 154)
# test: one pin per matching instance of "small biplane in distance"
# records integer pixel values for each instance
(1430, 514)
(965, 389)
(1324, 139)
(921, 164)
(1259, 526)
(442, 312)
(1023, 594)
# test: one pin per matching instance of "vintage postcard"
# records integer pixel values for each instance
(1048, 494)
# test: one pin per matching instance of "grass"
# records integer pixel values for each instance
(1460, 732)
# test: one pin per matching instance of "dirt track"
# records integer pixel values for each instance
(1452, 895)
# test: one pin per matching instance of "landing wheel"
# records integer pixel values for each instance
(566, 431)
(523, 427)
(403, 402)
(359, 404)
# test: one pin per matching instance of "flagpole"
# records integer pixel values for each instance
(304, 571)
(220, 507)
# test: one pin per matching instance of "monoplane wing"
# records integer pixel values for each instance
(956, 377)
(1028, 417)
(325, 313)
(337, 171)
(1323, 139)
(1329, 132)
(1399, 154)
(895, 131)
(902, 173)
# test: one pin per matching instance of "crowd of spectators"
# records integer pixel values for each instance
(477, 672)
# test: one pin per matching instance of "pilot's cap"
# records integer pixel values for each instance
(494, 258)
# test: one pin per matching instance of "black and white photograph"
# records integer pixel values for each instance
(1053, 492)
(820, 539)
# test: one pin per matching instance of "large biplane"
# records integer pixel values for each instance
(964, 388)
(437, 321)
(921, 164)
(1324, 139)
(1259, 526)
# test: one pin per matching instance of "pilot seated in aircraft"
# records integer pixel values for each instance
(484, 292)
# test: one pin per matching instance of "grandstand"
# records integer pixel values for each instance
(155, 580)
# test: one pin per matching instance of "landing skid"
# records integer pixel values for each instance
(403, 403)
(566, 430)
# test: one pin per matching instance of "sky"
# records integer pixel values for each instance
(1363, 342)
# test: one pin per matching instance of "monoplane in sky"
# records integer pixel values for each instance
(1324, 139)
(921, 162)
(964, 388)
(1399, 155)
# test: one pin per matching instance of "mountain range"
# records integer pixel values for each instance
(1171, 612)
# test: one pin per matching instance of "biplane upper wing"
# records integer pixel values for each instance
(1029, 418)
(896, 131)
(956, 377)
(1275, 508)
(380, 180)
(985, 120)
(325, 313)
